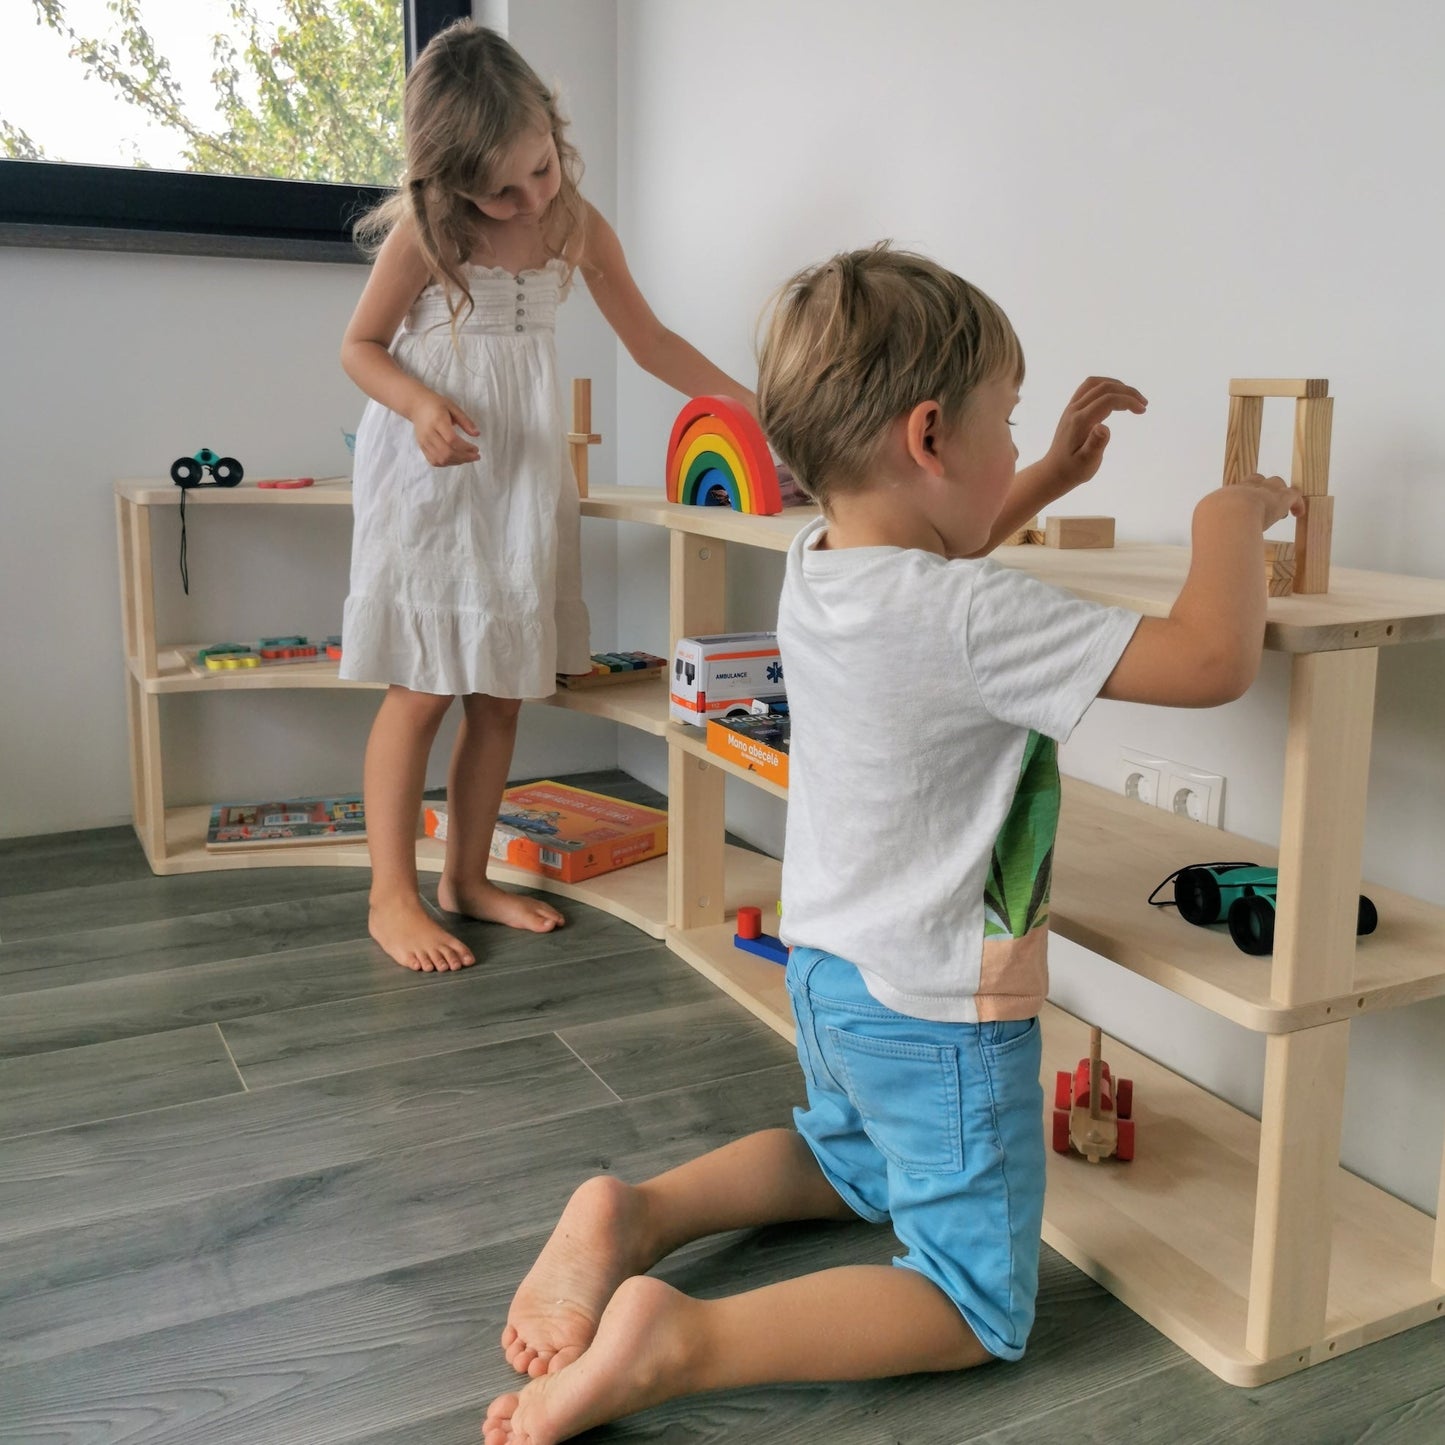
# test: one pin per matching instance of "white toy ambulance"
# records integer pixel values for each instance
(714, 674)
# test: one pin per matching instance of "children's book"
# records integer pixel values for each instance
(568, 833)
(759, 743)
(296, 820)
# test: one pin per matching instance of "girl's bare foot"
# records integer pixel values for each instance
(404, 928)
(491, 904)
(639, 1358)
(598, 1242)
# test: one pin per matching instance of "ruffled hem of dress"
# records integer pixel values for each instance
(451, 653)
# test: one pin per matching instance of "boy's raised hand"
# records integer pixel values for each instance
(1081, 436)
(435, 421)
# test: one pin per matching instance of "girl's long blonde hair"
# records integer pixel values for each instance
(469, 98)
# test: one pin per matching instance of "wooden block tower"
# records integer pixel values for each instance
(1303, 566)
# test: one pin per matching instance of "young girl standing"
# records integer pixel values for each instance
(465, 566)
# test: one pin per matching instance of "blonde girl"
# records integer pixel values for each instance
(465, 572)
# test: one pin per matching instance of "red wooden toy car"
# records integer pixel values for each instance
(1093, 1112)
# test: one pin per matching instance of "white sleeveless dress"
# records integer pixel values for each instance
(468, 579)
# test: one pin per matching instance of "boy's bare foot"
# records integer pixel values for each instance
(597, 1243)
(491, 904)
(639, 1359)
(404, 928)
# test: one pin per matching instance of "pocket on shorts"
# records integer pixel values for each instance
(1005, 1035)
(908, 1094)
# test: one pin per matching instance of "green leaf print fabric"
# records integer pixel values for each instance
(1016, 900)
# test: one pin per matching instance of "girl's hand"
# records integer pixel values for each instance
(1079, 442)
(435, 421)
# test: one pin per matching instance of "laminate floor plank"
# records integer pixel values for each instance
(1389, 1391)
(78, 909)
(103, 1081)
(71, 1177)
(70, 1288)
(274, 984)
(638, 1054)
(70, 860)
(101, 955)
(459, 1010)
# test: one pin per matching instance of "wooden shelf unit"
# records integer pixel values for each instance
(1242, 1240)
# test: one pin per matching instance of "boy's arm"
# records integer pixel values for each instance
(1073, 457)
(651, 345)
(1207, 651)
(398, 277)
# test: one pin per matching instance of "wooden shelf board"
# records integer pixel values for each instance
(1170, 1233)
(153, 492)
(694, 740)
(177, 671)
(648, 504)
(641, 705)
(1361, 609)
(753, 982)
(637, 894)
(1110, 854)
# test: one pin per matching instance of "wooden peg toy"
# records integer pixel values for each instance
(1093, 1113)
(581, 436)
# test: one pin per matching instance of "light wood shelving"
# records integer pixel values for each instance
(1242, 1240)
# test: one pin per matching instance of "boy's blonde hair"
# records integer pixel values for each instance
(861, 339)
(469, 99)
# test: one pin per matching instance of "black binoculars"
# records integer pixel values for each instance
(1242, 895)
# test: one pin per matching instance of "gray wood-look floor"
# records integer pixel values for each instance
(259, 1186)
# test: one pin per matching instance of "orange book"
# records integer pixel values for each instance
(757, 743)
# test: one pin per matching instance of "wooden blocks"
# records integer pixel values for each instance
(1241, 439)
(1279, 386)
(1312, 536)
(1079, 532)
(1279, 568)
(1309, 556)
(1030, 534)
(581, 436)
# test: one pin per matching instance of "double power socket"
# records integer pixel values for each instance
(1175, 787)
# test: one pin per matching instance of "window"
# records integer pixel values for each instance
(227, 127)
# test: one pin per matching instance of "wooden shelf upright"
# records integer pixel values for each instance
(1244, 1241)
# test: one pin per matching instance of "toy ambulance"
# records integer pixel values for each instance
(725, 670)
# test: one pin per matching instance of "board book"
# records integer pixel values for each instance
(759, 743)
(288, 822)
(568, 833)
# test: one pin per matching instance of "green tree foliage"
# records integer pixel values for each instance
(314, 97)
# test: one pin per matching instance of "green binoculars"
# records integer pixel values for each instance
(1242, 895)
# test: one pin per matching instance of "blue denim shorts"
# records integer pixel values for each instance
(936, 1127)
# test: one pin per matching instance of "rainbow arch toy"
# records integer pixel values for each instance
(717, 456)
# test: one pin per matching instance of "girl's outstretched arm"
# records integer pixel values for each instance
(651, 345)
(397, 279)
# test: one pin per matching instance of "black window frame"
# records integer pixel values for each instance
(118, 208)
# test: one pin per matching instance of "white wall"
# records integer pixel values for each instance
(111, 366)
(1172, 194)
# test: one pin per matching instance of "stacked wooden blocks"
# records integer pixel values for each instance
(1304, 565)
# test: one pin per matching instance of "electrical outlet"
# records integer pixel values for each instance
(1175, 787)
(1140, 776)
(1193, 794)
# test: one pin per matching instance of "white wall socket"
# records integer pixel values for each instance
(1176, 787)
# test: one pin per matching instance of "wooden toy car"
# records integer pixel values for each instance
(1093, 1112)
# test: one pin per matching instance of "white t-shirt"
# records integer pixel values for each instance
(927, 697)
